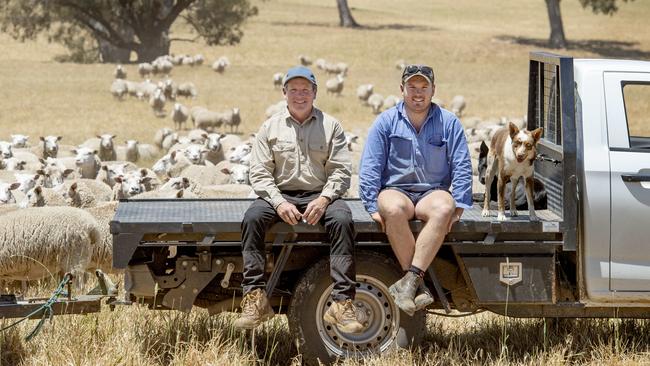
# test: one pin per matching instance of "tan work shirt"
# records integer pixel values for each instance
(289, 156)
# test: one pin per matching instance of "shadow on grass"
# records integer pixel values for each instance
(395, 26)
(574, 340)
(604, 48)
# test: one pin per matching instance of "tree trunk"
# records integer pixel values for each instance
(111, 54)
(345, 15)
(557, 39)
(152, 45)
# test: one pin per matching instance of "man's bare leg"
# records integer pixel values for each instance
(396, 210)
(435, 210)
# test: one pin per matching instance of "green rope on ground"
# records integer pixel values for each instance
(48, 312)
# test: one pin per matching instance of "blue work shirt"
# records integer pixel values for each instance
(396, 155)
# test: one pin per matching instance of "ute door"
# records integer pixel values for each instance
(627, 99)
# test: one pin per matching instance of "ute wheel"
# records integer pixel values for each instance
(387, 326)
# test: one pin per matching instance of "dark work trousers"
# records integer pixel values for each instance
(337, 220)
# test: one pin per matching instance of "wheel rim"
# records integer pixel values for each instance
(373, 300)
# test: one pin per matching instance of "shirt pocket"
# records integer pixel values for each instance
(284, 155)
(400, 154)
(435, 156)
(318, 152)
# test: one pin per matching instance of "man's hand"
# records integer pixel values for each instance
(455, 217)
(315, 210)
(289, 213)
(375, 216)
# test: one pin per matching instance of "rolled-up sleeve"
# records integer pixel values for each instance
(261, 170)
(461, 167)
(372, 165)
(338, 166)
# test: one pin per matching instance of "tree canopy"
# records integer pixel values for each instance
(109, 30)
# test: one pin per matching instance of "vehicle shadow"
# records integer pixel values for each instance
(600, 47)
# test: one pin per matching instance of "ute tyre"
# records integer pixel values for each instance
(388, 327)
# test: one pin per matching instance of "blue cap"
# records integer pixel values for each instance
(299, 72)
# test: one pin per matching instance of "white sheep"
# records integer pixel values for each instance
(197, 136)
(129, 152)
(238, 173)
(54, 172)
(231, 118)
(364, 91)
(119, 72)
(27, 181)
(179, 115)
(275, 108)
(129, 185)
(160, 135)
(320, 63)
(102, 253)
(457, 105)
(38, 242)
(5, 192)
(207, 120)
(106, 147)
(145, 69)
(157, 103)
(119, 89)
(198, 59)
(391, 101)
(48, 148)
(187, 89)
(195, 153)
(87, 162)
(335, 85)
(171, 165)
(19, 141)
(376, 101)
(187, 60)
(6, 150)
(277, 80)
(221, 64)
(214, 148)
(206, 175)
(40, 196)
(170, 141)
(86, 192)
(304, 60)
(240, 154)
(350, 139)
(12, 164)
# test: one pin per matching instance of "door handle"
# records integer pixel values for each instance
(635, 177)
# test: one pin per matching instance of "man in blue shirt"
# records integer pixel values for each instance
(415, 164)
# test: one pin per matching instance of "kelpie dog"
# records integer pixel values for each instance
(511, 156)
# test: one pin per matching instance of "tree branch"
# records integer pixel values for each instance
(113, 36)
(174, 13)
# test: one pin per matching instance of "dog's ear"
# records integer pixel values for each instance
(483, 149)
(514, 130)
(537, 133)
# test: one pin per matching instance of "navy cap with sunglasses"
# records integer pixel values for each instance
(417, 70)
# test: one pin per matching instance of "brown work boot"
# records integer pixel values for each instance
(255, 309)
(423, 298)
(403, 292)
(343, 314)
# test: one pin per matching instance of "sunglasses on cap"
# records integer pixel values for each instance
(414, 69)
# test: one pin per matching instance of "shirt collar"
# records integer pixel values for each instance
(402, 111)
(313, 116)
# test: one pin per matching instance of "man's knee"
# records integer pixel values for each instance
(395, 209)
(339, 218)
(254, 216)
(439, 211)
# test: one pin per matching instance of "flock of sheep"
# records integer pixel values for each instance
(56, 200)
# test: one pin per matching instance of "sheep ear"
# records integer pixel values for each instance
(226, 171)
(113, 136)
(74, 186)
(58, 138)
(74, 151)
(104, 167)
(40, 172)
(221, 136)
(14, 186)
(118, 179)
(94, 152)
(98, 136)
(173, 154)
(204, 135)
(144, 172)
(180, 193)
(186, 181)
(145, 180)
(41, 138)
(67, 172)
(38, 189)
(36, 175)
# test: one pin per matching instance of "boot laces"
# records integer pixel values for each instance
(249, 303)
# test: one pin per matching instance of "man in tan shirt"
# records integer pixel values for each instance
(300, 167)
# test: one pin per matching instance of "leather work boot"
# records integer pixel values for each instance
(423, 298)
(403, 292)
(255, 309)
(343, 314)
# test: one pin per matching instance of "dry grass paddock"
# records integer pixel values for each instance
(478, 49)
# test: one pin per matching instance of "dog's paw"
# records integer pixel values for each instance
(514, 213)
(485, 213)
(501, 216)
